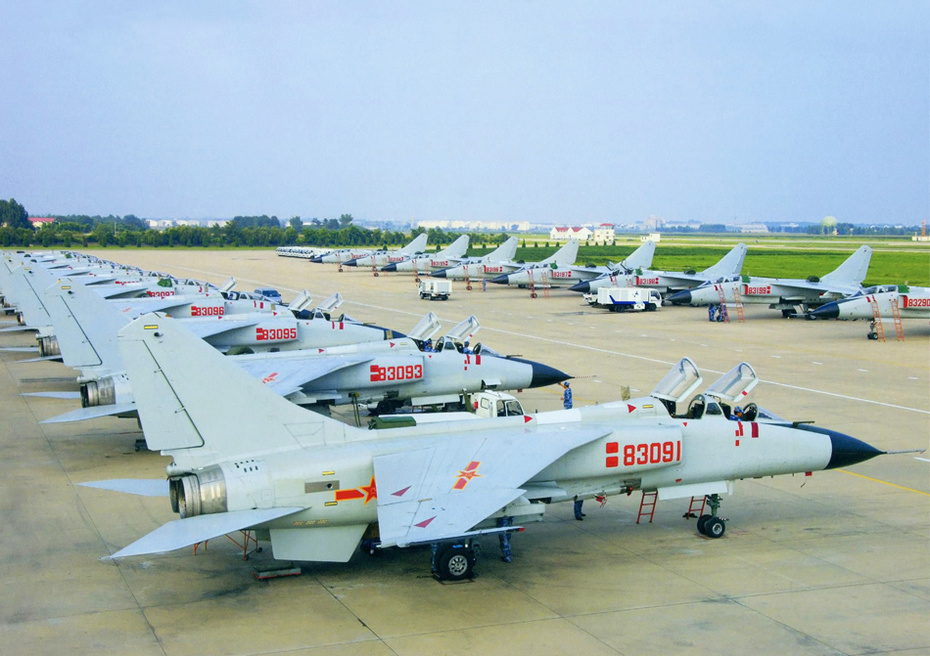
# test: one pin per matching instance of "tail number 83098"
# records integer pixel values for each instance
(400, 372)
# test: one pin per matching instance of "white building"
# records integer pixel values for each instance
(564, 233)
(604, 234)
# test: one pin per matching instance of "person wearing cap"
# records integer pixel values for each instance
(566, 395)
(737, 414)
(467, 349)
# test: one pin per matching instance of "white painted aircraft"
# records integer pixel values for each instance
(548, 275)
(790, 295)
(501, 261)
(314, 487)
(451, 254)
(668, 282)
(380, 258)
(879, 303)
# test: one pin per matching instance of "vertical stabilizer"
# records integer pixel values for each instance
(503, 253)
(418, 245)
(200, 408)
(853, 271)
(565, 256)
(641, 258)
(729, 265)
(455, 249)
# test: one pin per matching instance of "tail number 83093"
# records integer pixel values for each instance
(400, 372)
(643, 454)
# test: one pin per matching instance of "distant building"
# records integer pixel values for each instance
(652, 236)
(604, 234)
(564, 233)
(38, 221)
(757, 228)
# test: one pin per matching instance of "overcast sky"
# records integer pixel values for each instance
(550, 112)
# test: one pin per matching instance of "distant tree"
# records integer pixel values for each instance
(345, 220)
(296, 223)
(14, 215)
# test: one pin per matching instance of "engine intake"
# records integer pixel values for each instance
(202, 493)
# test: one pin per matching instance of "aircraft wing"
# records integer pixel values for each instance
(191, 530)
(441, 491)
(205, 329)
(287, 375)
(93, 412)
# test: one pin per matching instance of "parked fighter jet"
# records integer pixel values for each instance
(668, 282)
(389, 373)
(879, 304)
(556, 273)
(451, 254)
(501, 261)
(790, 295)
(314, 486)
(381, 257)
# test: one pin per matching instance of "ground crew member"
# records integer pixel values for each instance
(578, 514)
(566, 396)
(504, 538)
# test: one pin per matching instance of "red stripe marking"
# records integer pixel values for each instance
(348, 495)
(755, 429)
(425, 522)
(401, 493)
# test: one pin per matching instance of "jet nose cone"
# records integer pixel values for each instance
(502, 279)
(584, 286)
(390, 267)
(679, 298)
(439, 274)
(846, 450)
(318, 259)
(829, 311)
(353, 262)
(543, 374)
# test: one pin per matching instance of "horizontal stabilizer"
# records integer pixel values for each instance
(53, 395)
(191, 530)
(18, 329)
(20, 349)
(143, 487)
(212, 328)
(94, 412)
(44, 358)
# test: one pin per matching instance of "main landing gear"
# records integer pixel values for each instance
(709, 524)
(454, 562)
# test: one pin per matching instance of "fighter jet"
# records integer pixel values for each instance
(389, 373)
(381, 257)
(668, 282)
(879, 303)
(790, 295)
(501, 261)
(314, 487)
(555, 273)
(448, 256)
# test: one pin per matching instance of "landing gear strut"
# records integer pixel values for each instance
(709, 524)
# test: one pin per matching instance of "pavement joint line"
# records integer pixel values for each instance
(878, 480)
(618, 353)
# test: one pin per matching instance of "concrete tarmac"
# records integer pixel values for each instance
(835, 563)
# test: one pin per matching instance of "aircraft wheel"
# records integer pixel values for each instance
(872, 335)
(714, 527)
(456, 564)
(701, 522)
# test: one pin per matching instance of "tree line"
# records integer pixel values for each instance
(83, 231)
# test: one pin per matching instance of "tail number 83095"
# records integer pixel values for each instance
(643, 454)
(400, 372)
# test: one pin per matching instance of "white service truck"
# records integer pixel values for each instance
(625, 299)
(435, 289)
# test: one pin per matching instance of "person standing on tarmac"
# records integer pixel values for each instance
(566, 396)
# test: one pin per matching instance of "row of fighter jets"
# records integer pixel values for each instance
(838, 294)
(316, 488)
(309, 356)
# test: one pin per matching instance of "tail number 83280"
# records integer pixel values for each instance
(400, 372)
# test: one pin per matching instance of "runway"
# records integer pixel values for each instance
(836, 563)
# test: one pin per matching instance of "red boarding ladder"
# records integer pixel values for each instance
(647, 506)
(696, 507)
(738, 301)
(723, 303)
(532, 285)
(546, 283)
(467, 279)
(877, 319)
(896, 313)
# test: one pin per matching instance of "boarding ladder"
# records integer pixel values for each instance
(545, 282)
(532, 283)
(738, 302)
(339, 260)
(647, 505)
(467, 279)
(879, 329)
(696, 507)
(896, 313)
(723, 303)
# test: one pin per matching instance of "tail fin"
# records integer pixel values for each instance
(729, 265)
(641, 258)
(418, 245)
(200, 408)
(26, 283)
(504, 252)
(456, 248)
(853, 271)
(85, 326)
(566, 255)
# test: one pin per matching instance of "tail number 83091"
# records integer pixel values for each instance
(643, 454)
(400, 372)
